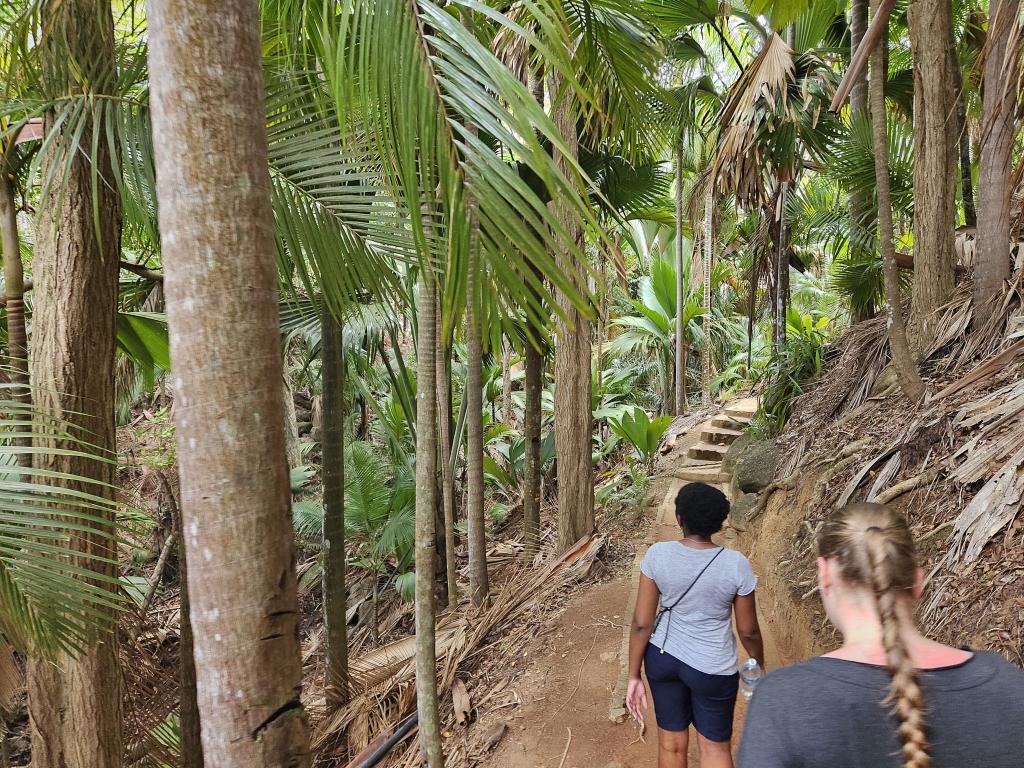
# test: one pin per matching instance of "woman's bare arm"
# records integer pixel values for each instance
(643, 622)
(747, 627)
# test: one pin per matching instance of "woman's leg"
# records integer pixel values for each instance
(672, 746)
(714, 754)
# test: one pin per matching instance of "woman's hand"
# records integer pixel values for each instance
(636, 699)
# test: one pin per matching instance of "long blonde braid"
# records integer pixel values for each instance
(874, 549)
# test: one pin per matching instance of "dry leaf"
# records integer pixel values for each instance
(460, 698)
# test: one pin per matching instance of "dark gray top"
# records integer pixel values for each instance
(828, 713)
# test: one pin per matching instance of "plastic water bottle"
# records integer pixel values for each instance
(750, 675)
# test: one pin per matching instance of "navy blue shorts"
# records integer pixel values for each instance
(684, 695)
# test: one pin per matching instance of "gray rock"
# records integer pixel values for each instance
(740, 510)
(731, 455)
(756, 466)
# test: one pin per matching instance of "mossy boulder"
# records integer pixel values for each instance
(755, 466)
(740, 510)
(737, 448)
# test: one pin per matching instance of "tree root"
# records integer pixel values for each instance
(906, 486)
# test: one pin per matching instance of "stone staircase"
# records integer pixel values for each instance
(716, 437)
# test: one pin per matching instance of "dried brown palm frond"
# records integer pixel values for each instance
(389, 672)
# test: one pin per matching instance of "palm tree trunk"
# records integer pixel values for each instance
(477, 533)
(934, 164)
(999, 106)
(680, 362)
(333, 462)
(444, 405)
(906, 367)
(188, 708)
(705, 355)
(426, 510)
(573, 415)
(215, 222)
(14, 291)
(75, 703)
(963, 137)
(858, 205)
(507, 414)
(533, 387)
(293, 449)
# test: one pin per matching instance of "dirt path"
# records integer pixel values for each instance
(571, 697)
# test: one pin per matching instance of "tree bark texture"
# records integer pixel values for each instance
(573, 415)
(476, 527)
(188, 709)
(906, 366)
(680, 361)
(444, 420)
(934, 165)
(333, 448)
(75, 703)
(426, 509)
(963, 136)
(533, 386)
(14, 292)
(999, 106)
(216, 224)
(858, 205)
(709, 254)
(507, 411)
(293, 449)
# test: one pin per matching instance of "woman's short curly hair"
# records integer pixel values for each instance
(701, 509)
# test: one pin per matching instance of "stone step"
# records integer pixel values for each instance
(707, 451)
(701, 473)
(720, 435)
(731, 422)
(740, 413)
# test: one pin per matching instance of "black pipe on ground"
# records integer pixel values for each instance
(378, 754)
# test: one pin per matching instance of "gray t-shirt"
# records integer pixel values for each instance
(699, 630)
(828, 713)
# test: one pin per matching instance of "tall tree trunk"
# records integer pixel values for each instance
(963, 137)
(14, 291)
(188, 708)
(934, 164)
(426, 510)
(533, 387)
(709, 236)
(444, 410)
(333, 446)
(293, 449)
(507, 412)
(75, 703)
(906, 367)
(680, 362)
(999, 106)
(858, 205)
(477, 532)
(216, 225)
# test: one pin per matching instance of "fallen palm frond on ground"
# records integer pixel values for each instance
(954, 464)
(384, 679)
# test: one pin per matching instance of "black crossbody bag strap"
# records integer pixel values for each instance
(668, 610)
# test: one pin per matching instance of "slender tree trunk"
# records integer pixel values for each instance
(858, 205)
(573, 415)
(507, 412)
(293, 449)
(188, 709)
(680, 363)
(533, 386)
(906, 367)
(705, 357)
(477, 532)
(216, 227)
(444, 405)
(934, 164)
(963, 137)
(75, 703)
(426, 510)
(999, 97)
(14, 291)
(333, 447)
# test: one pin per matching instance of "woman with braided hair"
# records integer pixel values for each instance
(888, 697)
